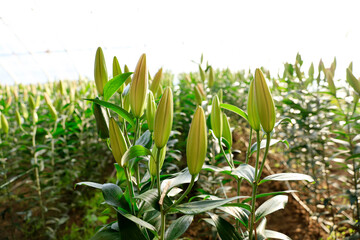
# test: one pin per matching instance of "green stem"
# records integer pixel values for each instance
(231, 164)
(268, 138)
(249, 147)
(254, 187)
(131, 190)
(177, 202)
(162, 229)
(136, 167)
(157, 161)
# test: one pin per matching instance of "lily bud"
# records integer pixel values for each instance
(100, 73)
(216, 117)
(196, 146)
(226, 129)
(201, 90)
(152, 162)
(117, 71)
(32, 103)
(35, 117)
(211, 77)
(198, 96)
(330, 79)
(163, 119)
(127, 103)
(126, 70)
(18, 118)
(264, 102)
(51, 107)
(253, 116)
(150, 111)
(25, 112)
(102, 121)
(117, 141)
(4, 124)
(138, 88)
(202, 73)
(8, 102)
(156, 82)
(353, 81)
(220, 95)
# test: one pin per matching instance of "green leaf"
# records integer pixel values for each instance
(281, 121)
(287, 177)
(114, 84)
(270, 206)
(136, 220)
(145, 139)
(112, 194)
(234, 109)
(245, 171)
(107, 234)
(133, 152)
(203, 206)
(182, 178)
(225, 229)
(276, 235)
(90, 184)
(263, 144)
(152, 197)
(178, 227)
(268, 194)
(124, 114)
(128, 229)
(241, 214)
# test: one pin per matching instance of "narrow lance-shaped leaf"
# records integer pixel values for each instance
(114, 84)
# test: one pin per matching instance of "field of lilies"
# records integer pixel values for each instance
(218, 155)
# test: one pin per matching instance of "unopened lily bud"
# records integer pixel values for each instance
(330, 79)
(311, 71)
(53, 111)
(19, 119)
(47, 99)
(24, 111)
(100, 72)
(196, 146)
(32, 103)
(126, 70)
(127, 103)
(37, 102)
(102, 120)
(355, 83)
(159, 92)
(35, 117)
(253, 116)
(264, 102)
(4, 124)
(8, 101)
(216, 117)
(220, 95)
(26, 95)
(152, 162)
(117, 71)
(201, 90)
(62, 89)
(138, 88)
(156, 82)
(202, 73)
(226, 129)
(198, 96)
(150, 111)
(15, 93)
(117, 141)
(163, 119)
(211, 77)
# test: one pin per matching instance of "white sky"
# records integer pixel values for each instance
(62, 36)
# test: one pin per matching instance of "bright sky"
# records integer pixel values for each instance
(48, 40)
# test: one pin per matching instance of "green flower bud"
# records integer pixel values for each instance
(102, 120)
(51, 107)
(24, 110)
(19, 119)
(127, 102)
(35, 117)
(138, 88)
(264, 102)
(152, 162)
(226, 129)
(355, 84)
(150, 111)
(117, 71)
(163, 119)
(126, 70)
(211, 77)
(100, 73)
(220, 95)
(8, 102)
(330, 79)
(117, 141)
(156, 82)
(37, 102)
(253, 116)
(4, 124)
(202, 73)
(196, 146)
(216, 117)
(32, 103)
(198, 96)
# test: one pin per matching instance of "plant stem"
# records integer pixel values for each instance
(136, 167)
(131, 190)
(231, 164)
(254, 188)
(184, 194)
(268, 138)
(162, 229)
